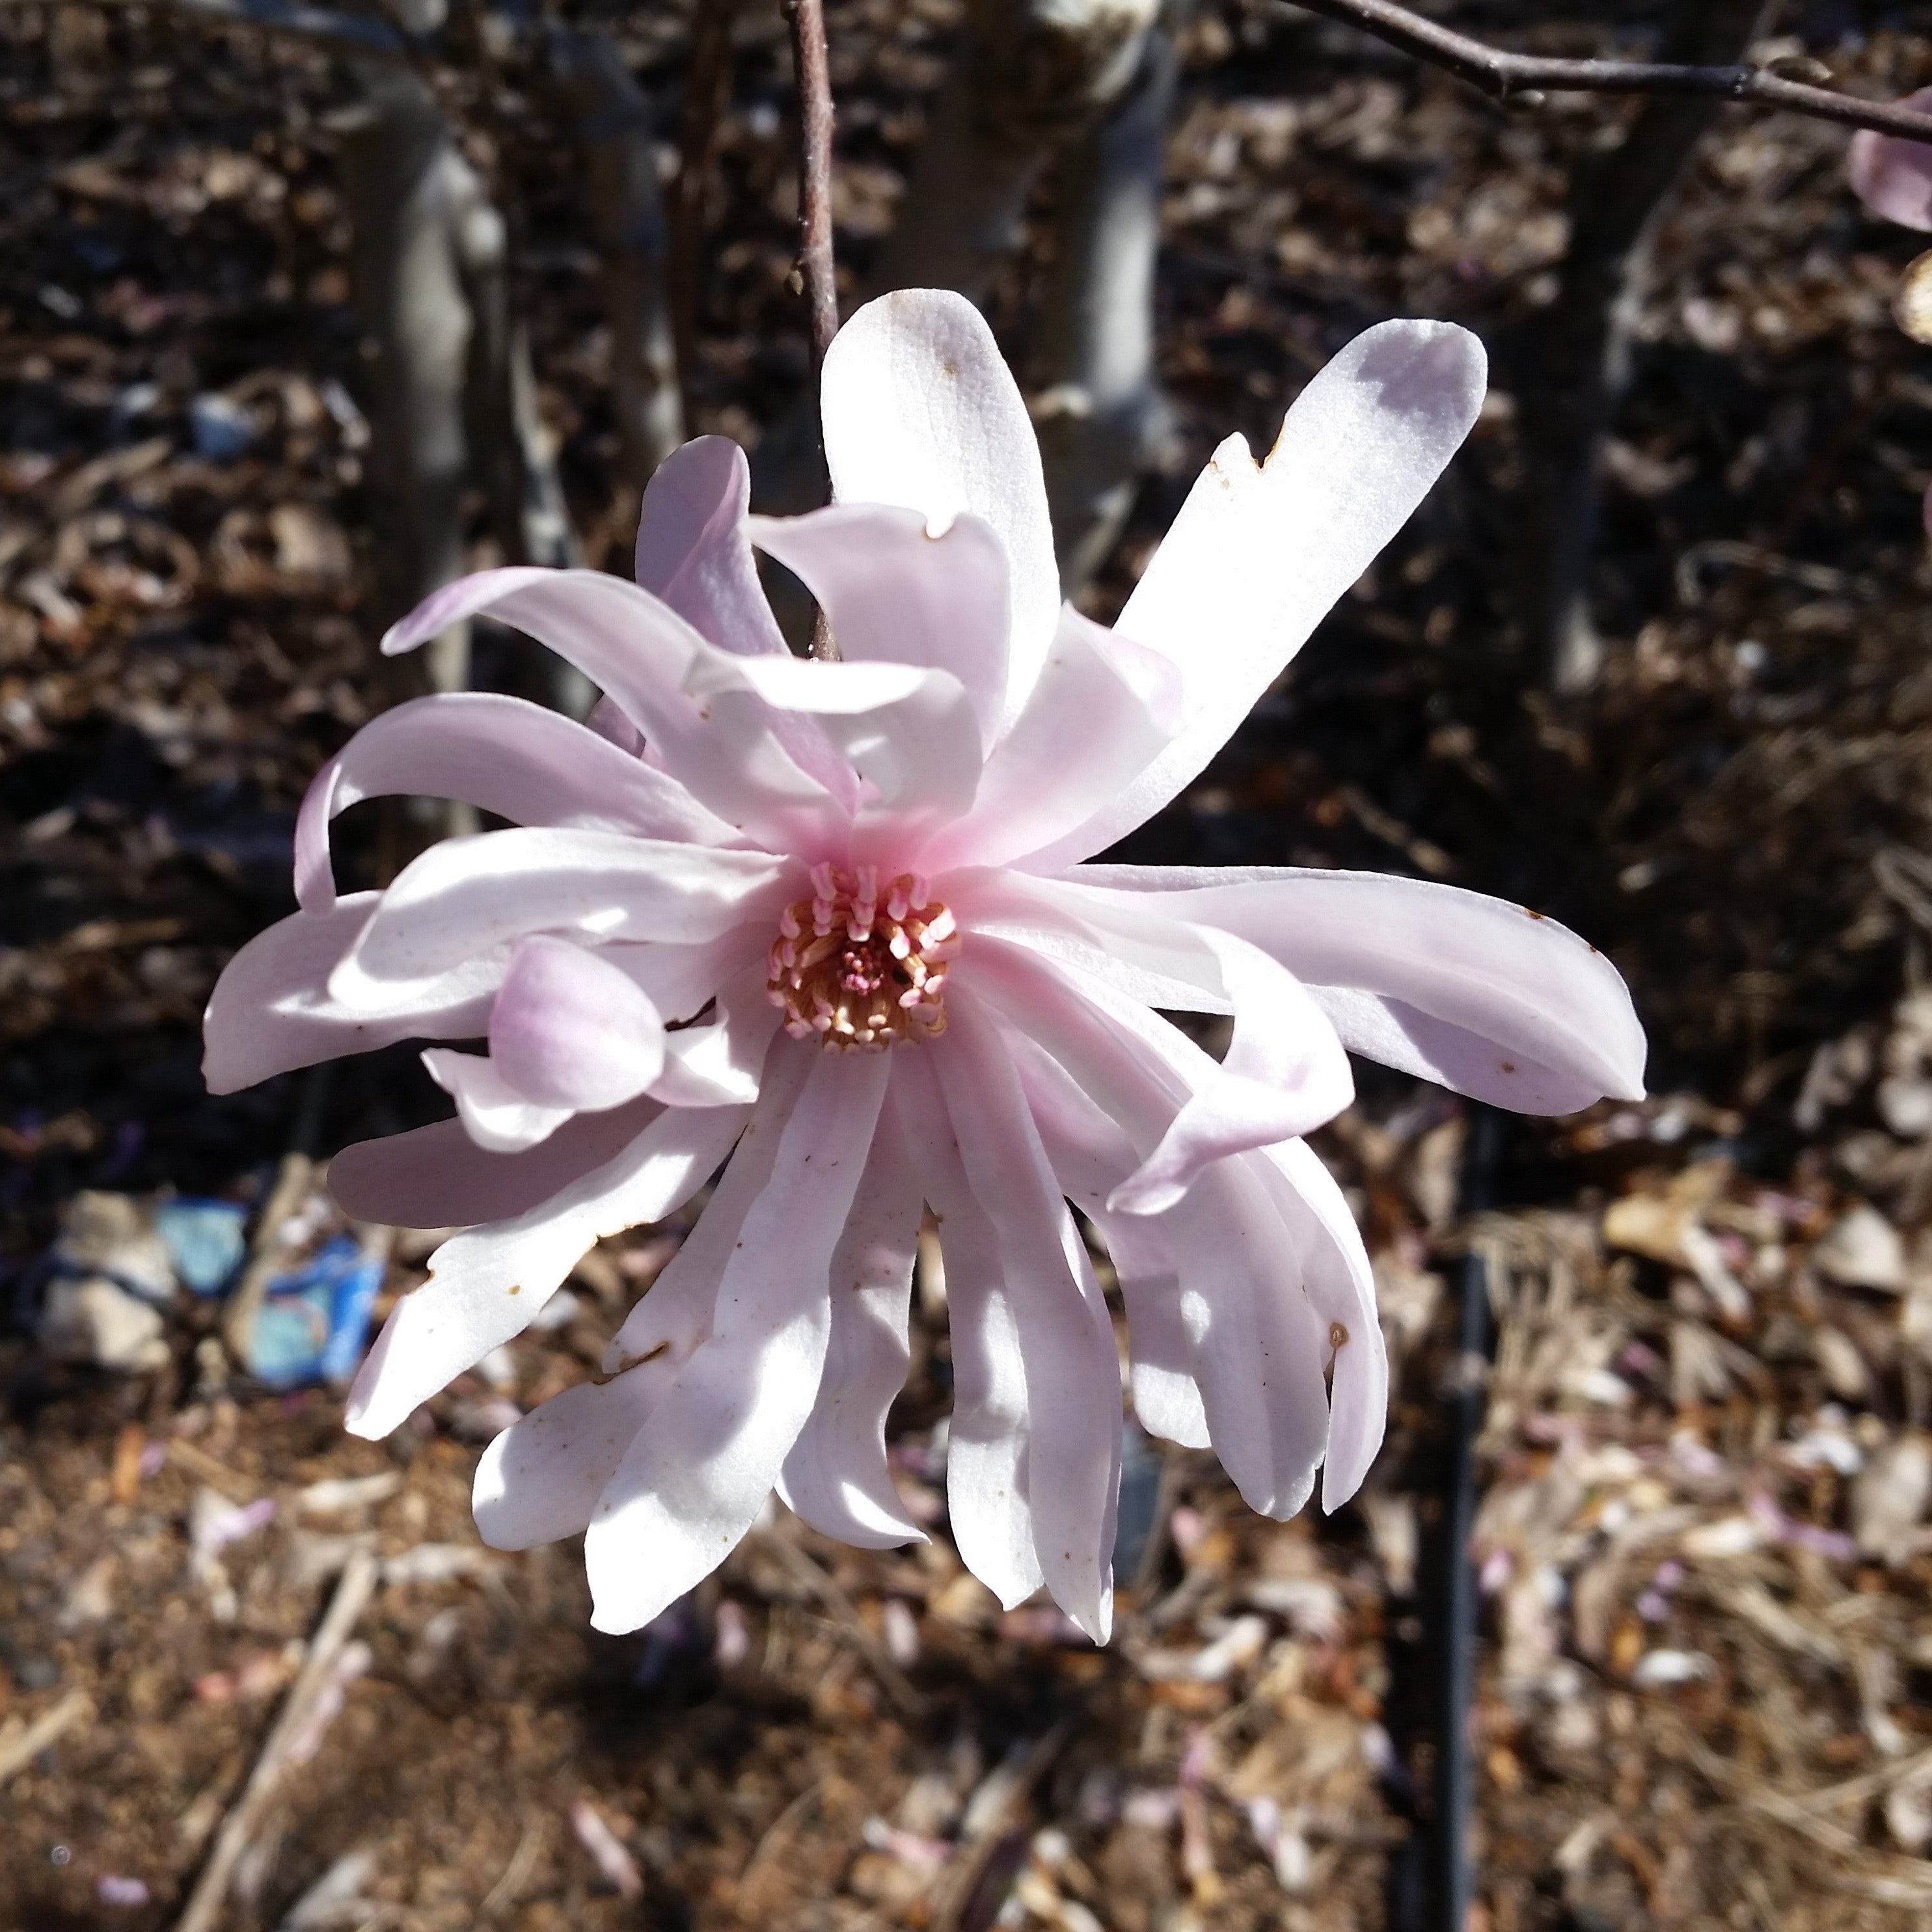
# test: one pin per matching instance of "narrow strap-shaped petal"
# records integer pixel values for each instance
(487, 1285)
(987, 1445)
(1480, 994)
(1073, 1386)
(271, 1010)
(1259, 1349)
(465, 897)
(681, 980)
(503, 755)
(1091, 1157)
(836, 1477)
(694, 550)
(568, 1029)
(1285, 1075)
(892, 591)
(1341, 1287)
(540, 1479)
(1102, 709)
(437, 1177)
(919, 409)
(1257, 555)
(699, 1470)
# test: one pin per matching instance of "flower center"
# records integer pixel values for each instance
(860, 965)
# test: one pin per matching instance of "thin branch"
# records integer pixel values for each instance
(1506, 77)
(815, 170)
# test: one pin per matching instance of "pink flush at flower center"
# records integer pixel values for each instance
(857, 965)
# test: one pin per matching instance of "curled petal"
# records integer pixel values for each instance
(1893, 176)
(1285, 1074)
(1073, 1389)
(892, 592)
(271, 1011)
(920, 409)
(437, 1177)
(486, 1285)
(495, 1114)
(987, 1446)
(836, 1477)
(467, 897)
(502, 755)
(698, 1472)
(1257, 555)
(569, 1030)
(694, 551)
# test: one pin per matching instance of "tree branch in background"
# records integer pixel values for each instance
(707, 87)
(814, 80)
(1100, 414)
(1583, 363)
(1507, 76)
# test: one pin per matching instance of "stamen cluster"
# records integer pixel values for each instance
(860, 965)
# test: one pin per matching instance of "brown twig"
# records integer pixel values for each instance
(812, 76)
(1507, 76)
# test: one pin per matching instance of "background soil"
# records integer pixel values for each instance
(1708, 1633)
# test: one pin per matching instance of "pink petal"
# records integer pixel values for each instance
(700, 1470)
(495, 1114)
(919, 409)
(987, 1446)
(1491, 999)
(540, 1479)
(270, 1010)
(679, 980)
(570, 1030)
(1340, 1285)
(892, 593)
(1258, 1350)
(512, 758)
(1893, 176)
(437, 1177)
(1073, 1385)
(465, 897)
(694, 551)
(1098, 715)
(486, 1285)
(836, 1477)
(1285, 1075)
(1091, 1157)
(1257, 555)
(717, 1065)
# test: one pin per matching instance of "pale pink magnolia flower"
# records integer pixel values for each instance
(832, 921)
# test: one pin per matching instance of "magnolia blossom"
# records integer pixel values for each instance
(831, 925)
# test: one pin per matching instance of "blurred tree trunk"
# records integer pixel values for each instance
(1583, 346)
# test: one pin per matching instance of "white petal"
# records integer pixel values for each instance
(1891, 176)
(986, 1455)
(1073, 1388)
(1285, 1075)
(836, 1477)
(698, 1472)
(486, 1285)
(503, 755)
(1101, 710)
(920, 409)
(893, 593)
(1341, 1287)
(1257, 555)
(1476, 992)
(569, 1030)
(540, 1479)
(437, 1177)
(496, 1115)
(694, 551)
(271, 1011)
(465, 897)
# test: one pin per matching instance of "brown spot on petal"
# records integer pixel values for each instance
(1534, 914)
(1338, 1336)
(1509, 1066)
(515, 1287)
